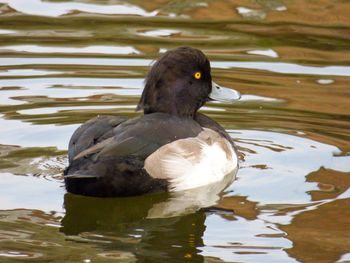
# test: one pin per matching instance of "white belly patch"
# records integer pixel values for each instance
(193, 162)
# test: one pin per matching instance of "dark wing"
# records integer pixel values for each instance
(91, 133)
(133, 139)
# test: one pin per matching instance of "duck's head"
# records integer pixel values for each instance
(180, 82)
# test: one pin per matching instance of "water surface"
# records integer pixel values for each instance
(63, 62)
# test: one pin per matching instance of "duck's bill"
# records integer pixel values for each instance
(223, 94)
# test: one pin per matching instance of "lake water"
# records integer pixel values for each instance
(63, 62)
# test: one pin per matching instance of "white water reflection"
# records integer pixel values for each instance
(344, 258)
(248, 97)
(325, 81)
(27, 72)
(250, 244)
(251, 13)
(98, 49)
(158, 33)
(66, 88)
(190, 201)
(55, 9)
(24, 134)
(30, 193)
(75, 61)
(278, 67)
(288, 68)
(52, 110)
(6, 32)
(264, 52)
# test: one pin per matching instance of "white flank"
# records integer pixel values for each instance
(193, 162)
(213, 167)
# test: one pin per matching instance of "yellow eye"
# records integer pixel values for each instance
(197, 75)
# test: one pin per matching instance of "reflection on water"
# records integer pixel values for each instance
(63, 62)
(43, 8)
(125, 223)
(87, 50)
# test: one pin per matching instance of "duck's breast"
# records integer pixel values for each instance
(193, 162)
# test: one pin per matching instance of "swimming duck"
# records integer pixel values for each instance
(171, 147)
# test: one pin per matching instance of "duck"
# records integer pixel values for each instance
(171, 147)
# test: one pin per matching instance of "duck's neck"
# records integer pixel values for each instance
(175, 111)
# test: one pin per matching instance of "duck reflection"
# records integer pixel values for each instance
(158, 226)
(123, 225)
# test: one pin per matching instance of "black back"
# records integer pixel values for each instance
(116, 168)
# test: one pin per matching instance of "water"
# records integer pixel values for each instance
(63, 62)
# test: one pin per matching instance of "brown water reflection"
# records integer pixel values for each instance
(63, 62)
(320, 235)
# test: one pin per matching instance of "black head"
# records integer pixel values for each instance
(179, 83)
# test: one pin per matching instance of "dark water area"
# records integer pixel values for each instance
(63, 62)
